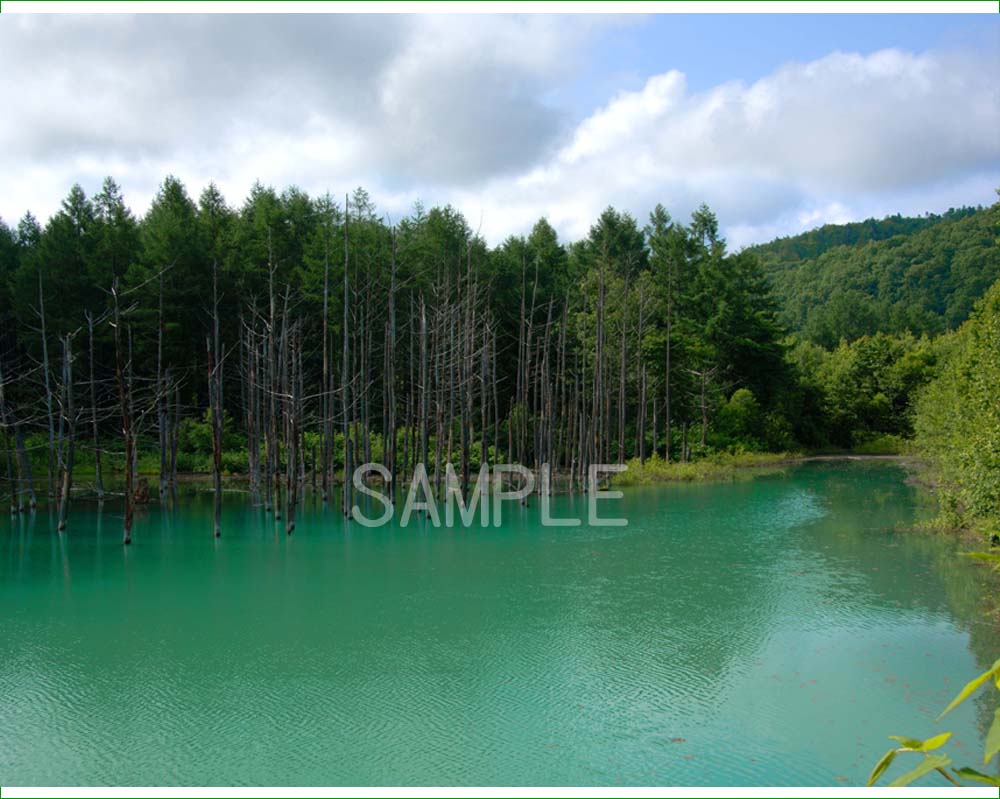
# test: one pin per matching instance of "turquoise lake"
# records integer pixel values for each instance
(771, 631)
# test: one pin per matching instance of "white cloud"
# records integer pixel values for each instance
(458, 109)
(392, 101)
(819, 142)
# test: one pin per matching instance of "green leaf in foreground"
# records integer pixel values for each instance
(929, 764)
(971, 688)
(912, 744)
(993, 738)
(916, 745)
(881, 766)
(972, 774)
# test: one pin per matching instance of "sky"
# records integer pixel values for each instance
(780, 123)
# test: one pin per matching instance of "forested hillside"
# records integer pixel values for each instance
(815, 242)
(899, 274)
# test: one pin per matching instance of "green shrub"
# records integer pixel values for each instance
(886, 444)
(958, 417)
(719, 466)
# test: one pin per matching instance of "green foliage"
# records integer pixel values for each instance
(815, 242)
(939, 762)
(885, 444)
(863, 391)
(195, 436)
(740, 418)
(195, 447)
(958, 418)
(62, 260)
(717, 466)
(666, 291)
(976, 776)
(921, 275)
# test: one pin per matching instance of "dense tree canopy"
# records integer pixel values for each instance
(343, 335)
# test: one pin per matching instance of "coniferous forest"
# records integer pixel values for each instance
(290, 338)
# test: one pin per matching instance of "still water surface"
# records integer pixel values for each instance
(766, 632)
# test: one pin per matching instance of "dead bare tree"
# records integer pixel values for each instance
(213, 346)
(68, 453)
(389, 430)
(124, 383)
(161, 407)
(326, 413)
(622, 370)
(290, 403)
(98, 471)
(49, 410)
(9, 420)
(345, 378)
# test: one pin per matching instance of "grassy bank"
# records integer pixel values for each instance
(720, 466)
(747, 465)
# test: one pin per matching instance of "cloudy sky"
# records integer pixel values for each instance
(779, 122)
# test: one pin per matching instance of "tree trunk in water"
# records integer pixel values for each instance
(214, 348)
(366, 351)
(213, 367)
(598, 409)
(25, 466)
(345, 368)
(389, 432)
(175, 432)
(325, 393)
(10, 473)
(122, 370)
(270, 392)
(249, 349)
(424, 420)
(622, 373)
(24, 479)
(161, 408)
(291, 427)
(68, 415)
(666, 380)
(16, 495)
(98, 477)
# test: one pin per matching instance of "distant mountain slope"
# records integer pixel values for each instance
(922, 274)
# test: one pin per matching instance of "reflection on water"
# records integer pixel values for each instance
(765, 632)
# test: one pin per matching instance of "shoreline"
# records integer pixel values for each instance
(732, 467)
(705, 469)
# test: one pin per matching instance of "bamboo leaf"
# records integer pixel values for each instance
(929, 764)
(912, 744)
(972, 774)
(993, 738)
(971, 688)
(933, 743)
(881, 766)
(948, 777)
(916, 745)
